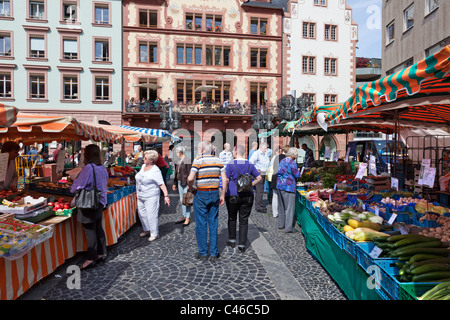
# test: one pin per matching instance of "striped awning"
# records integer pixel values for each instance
(127, 134)
(31, 128)
(161, 135)
(419, 93)
(8, 115)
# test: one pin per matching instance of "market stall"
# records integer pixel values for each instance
(8, 115)
(399, 238)
(46, 205)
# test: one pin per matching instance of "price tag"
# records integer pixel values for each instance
(327, 152)
(394, 183)
(377, 211)
(361, 171)
(301, 172)
(336, 156)
(364, 206)
(429, 175)
(112, 171)
(335, 186)
(372, 167)
(375, 252)
(403, 230)
(392, 218)
(329, 198)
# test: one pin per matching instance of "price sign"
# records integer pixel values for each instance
(377, 211)
(301, 172)
(392, 218)
(329, 198)
(394, 183)
(336, 156)
(361, 171)
(428, 177)
(327, 153)
(112, 171)
(375, 252)
(372, 168)
(4, 161)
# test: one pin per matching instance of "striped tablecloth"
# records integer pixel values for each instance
(17, 276)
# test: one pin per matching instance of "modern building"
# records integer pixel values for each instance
(413, 30)
(210, 51)
(320, 55)
(57, 57)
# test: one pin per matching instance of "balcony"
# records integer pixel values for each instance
(205, 108)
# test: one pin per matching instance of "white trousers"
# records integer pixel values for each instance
(275, 203)
(148, 209)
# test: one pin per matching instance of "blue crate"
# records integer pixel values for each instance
(111, 198)
(425, 223)
(335, 235)
(363, 257)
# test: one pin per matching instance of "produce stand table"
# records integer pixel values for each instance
(17, 276)
(342, 267)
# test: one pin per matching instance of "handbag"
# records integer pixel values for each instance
(88, 199)
(188, 199)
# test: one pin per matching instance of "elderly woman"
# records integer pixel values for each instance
(182, 170)
(149, 183)
(288, 174)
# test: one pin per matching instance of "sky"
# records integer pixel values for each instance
(367, 14)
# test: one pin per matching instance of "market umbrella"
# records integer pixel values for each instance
(127, 134)
(161, 135)
(31, 128)
(8, 115)
(206, 88)
(153, 86)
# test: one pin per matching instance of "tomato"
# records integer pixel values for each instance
(67, 205)
(61, 200)
(51, 204)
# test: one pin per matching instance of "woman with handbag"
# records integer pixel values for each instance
(182, 170)
(92, 181)
(149, 183)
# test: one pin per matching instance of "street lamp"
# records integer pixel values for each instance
(292, 108)
(170, 120)
(262, 120)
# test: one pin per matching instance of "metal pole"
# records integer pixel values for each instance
(395, 142)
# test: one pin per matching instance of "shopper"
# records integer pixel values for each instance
(273, 182)
(205, 172)
(149, 183)
(182, 170)
(91, 219)
(261, 161)
(11, 176)
(288, 174)
(309, 156)
(238, 202)
(226, 155)
(253, 149)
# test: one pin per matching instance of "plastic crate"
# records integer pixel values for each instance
(335, 234)
(347, 244)
(414, 290)
(425, 223)
(363, 257)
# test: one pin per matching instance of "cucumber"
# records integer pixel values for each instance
(403, 236)
(404, 258)
(381, 239)
(435, 275)
(428, 244)
(431, 268)
(430, 261)
(412, 240)
(422, 257)
(400, 265)
(413, 251)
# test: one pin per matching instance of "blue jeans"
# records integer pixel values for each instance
(186, 210)
(206, 211)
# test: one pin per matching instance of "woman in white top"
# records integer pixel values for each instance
(149, 183)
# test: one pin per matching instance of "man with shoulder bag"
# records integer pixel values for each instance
(237, 192)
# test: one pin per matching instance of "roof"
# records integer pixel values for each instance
(273, 4)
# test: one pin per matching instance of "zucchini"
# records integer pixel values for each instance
(422, 257)
(428, 244)
(413, 251)
(435, 275)
(430, 261)
(412, 240)
(404, 258)
(381, 239)
(403, 236)
(431, 268)
(400, 265)
(430, 293)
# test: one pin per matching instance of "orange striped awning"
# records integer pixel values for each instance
(127, 134)
(8, 115)
(32, 128)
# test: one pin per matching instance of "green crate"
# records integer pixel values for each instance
(414, 290)
(66, 212)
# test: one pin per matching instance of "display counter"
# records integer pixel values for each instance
(17, 276)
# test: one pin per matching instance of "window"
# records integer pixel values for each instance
(431, 5)
(409, 62)
(37, 47)
(70, 11)
(37, 86)
(309, 65)
(309, 30)
(194, 21)
(330, 32)
(390, 33)
(214, 23)
(101, 88)
(37, 10)
(257, 92)
(148, 18)
(322, 3)
(330, 99)
(198, 55)
(102, 50)
(5, 8)
(258, 58)
(330, 66)
(220, 94)
(186, 91)
(408, 17)
(217, 55)
(148, 52)
(312, 97)
(101, 14)
(70, 49)
(147, 93)
(70, 87)
(5, 45)
(258, 26)
(5, 85)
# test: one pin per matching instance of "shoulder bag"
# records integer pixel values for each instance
(244, 181)
(88, 199)
(188, 199)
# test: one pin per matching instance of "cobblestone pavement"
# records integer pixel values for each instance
(276, 266)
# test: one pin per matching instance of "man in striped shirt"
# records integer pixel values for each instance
(205, 172)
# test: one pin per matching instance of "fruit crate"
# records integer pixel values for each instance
(424, 223)
(66, 212)
(37, 215)
(347, 244)
(363, 257)
(396, 289)
(335, 234)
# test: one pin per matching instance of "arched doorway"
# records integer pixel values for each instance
(298, 141)
(327, 142)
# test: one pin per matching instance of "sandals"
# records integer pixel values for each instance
(180, 221)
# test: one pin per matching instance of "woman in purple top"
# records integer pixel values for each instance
(238, 202)
(286, 184)
(91, 219)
